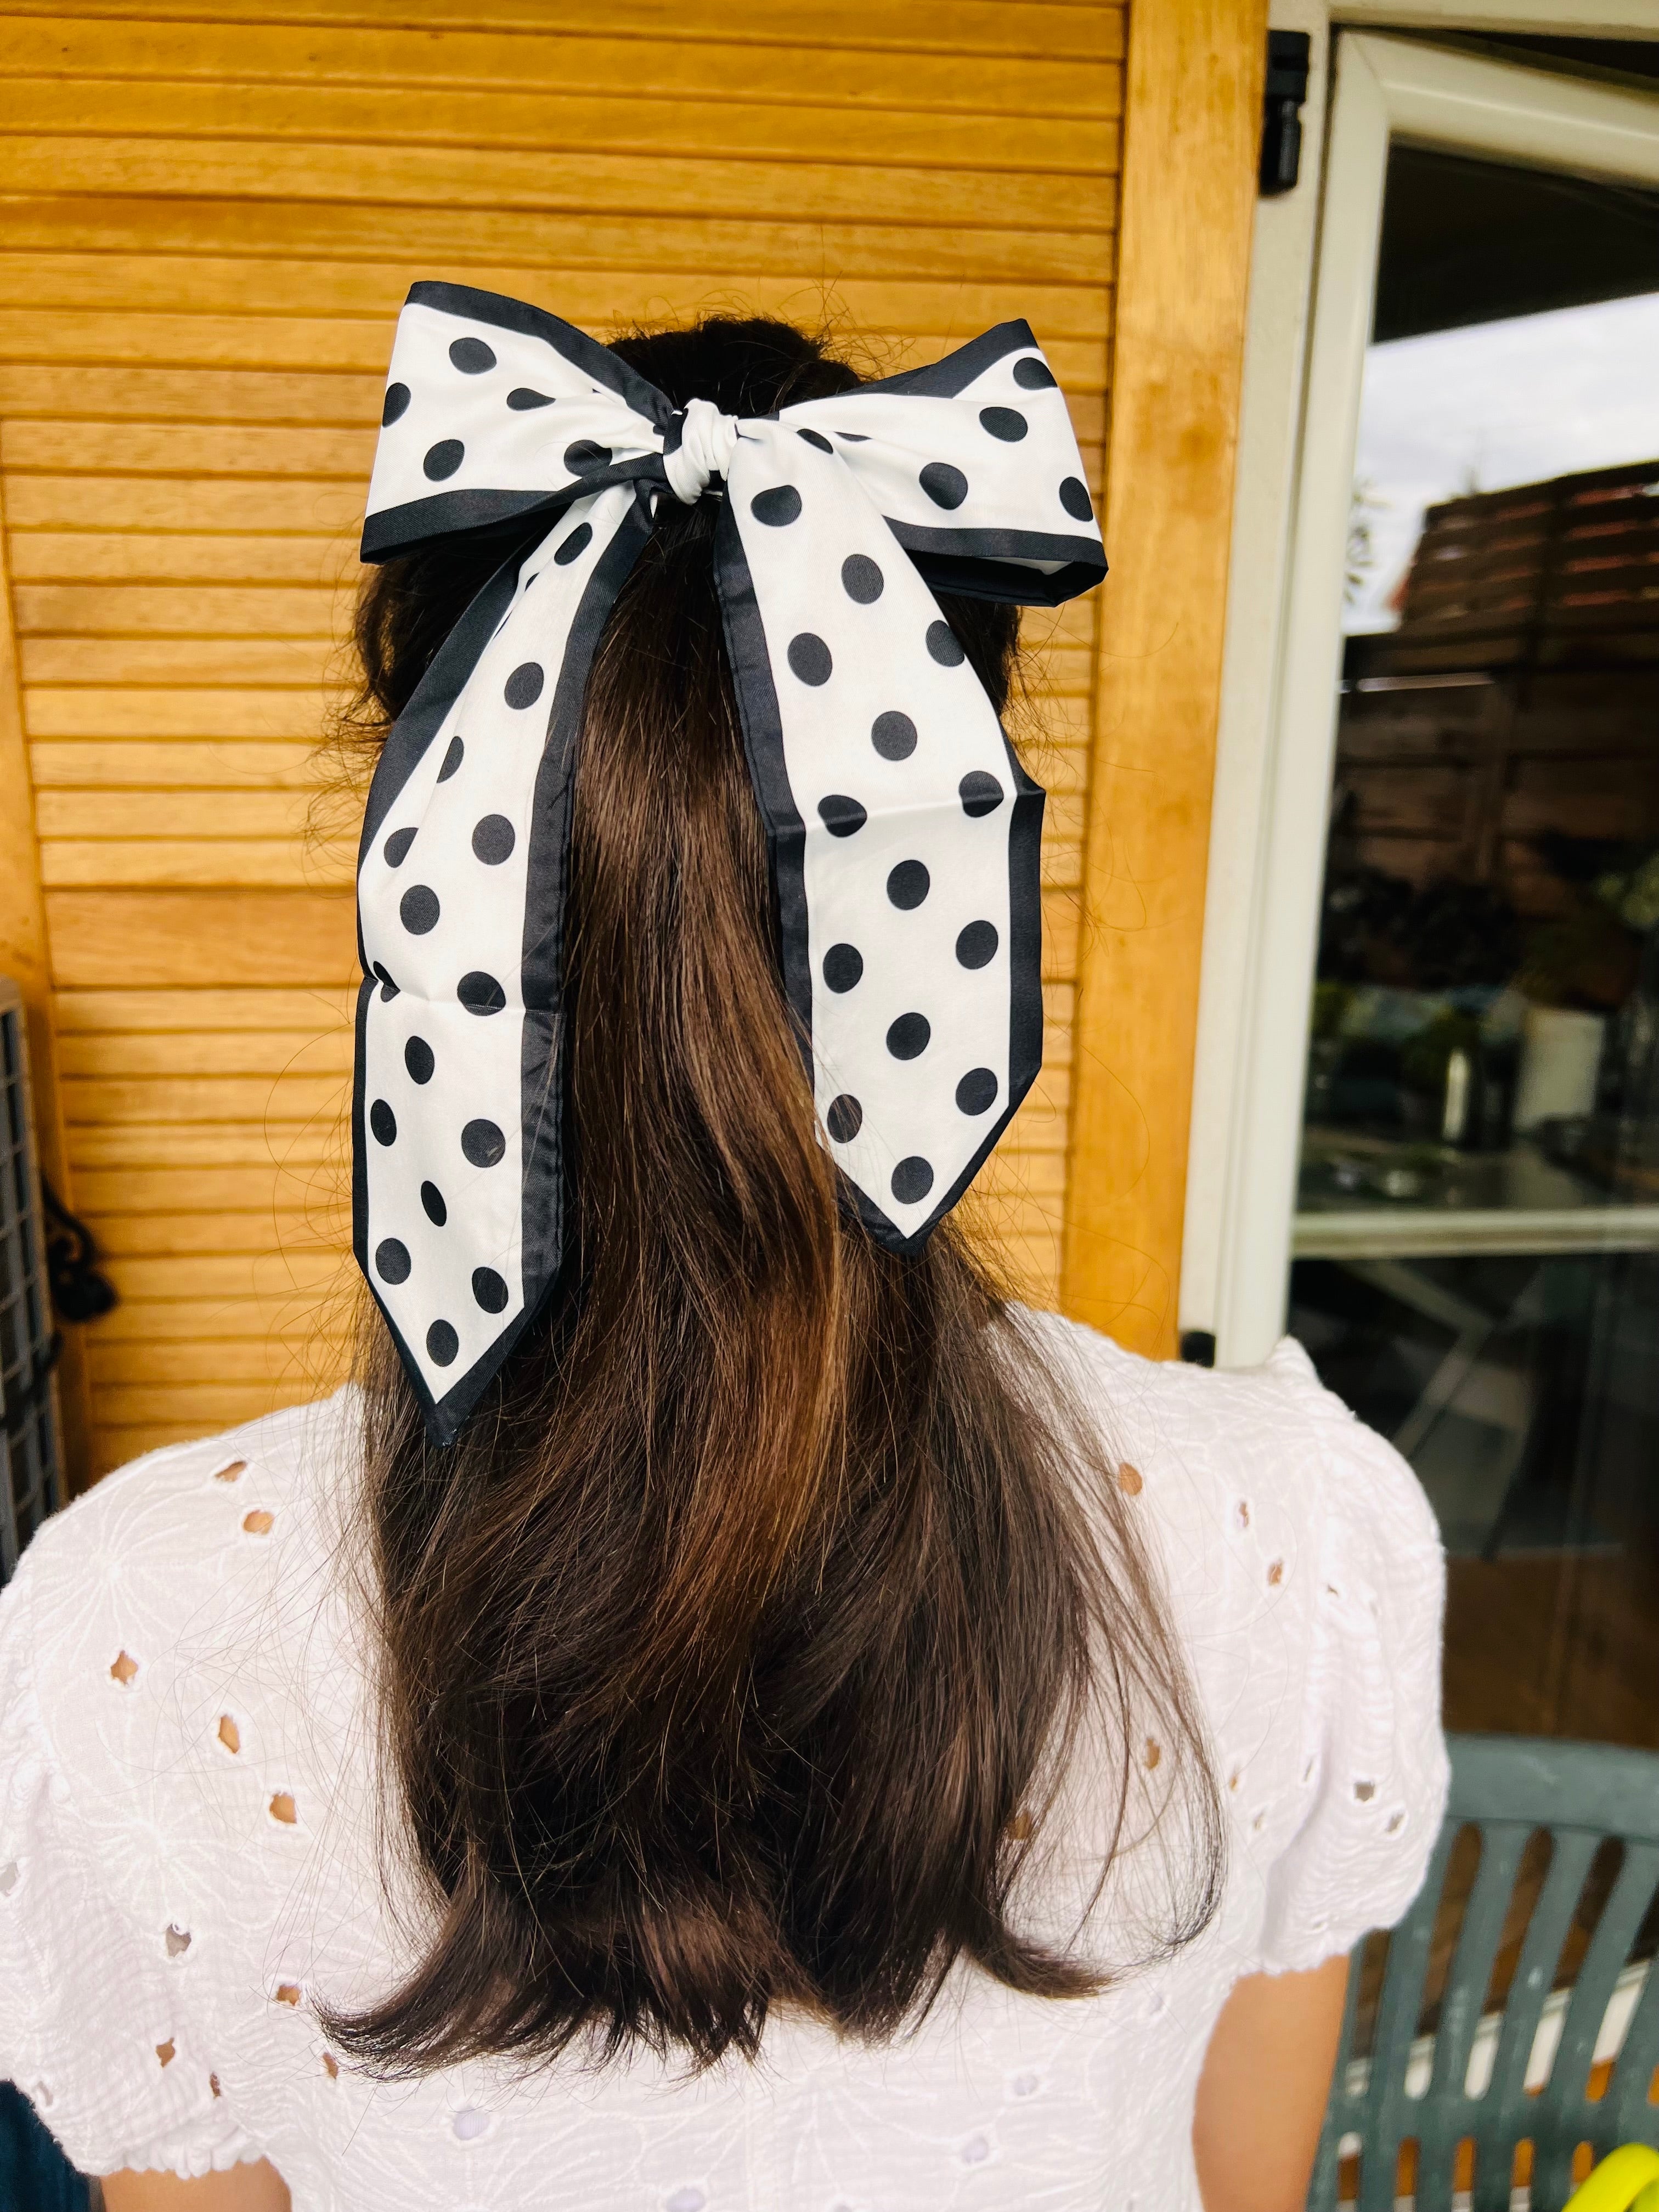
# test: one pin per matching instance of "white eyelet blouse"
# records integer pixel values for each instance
(190, 1849)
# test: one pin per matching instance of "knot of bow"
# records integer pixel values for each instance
(707, 441)
(904, 835)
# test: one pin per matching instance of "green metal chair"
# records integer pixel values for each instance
(1508, 1788)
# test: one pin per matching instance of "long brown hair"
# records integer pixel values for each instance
(736, 1652)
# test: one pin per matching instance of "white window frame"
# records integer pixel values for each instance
(1275, 746)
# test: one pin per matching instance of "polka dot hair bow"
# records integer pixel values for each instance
(903, 834)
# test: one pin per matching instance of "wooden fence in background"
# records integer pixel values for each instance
(210, 221)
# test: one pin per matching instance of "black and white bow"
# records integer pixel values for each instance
(902, 833)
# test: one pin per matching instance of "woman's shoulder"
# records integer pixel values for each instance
(189, 1515)
(204, 1562)
(1306, 1580)
(1272, 1507)
(177, 1710)
(1264, 1450)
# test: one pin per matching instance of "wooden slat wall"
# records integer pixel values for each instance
(210, 223)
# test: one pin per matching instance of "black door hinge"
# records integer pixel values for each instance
(1288, 54)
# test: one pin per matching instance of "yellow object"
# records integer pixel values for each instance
(1627, 2181)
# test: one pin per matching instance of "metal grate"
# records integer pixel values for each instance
(31, 1478)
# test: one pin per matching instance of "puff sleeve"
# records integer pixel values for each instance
(1372, 1747)
(87, 2022)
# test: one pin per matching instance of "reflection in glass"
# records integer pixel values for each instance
(1478, 1228)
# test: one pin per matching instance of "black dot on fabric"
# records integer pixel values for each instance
(976, 1093)
(480, 994)
(432, 1202)
(483, 1144)
(944, 485)
(809, 657)
(909, 1035)
(523, 399)
(388, 988)
(444, 458)
(1075, 498)
(524, 686)
(576, 545)
(893, 735)
(945, 644)
(844, 966)
(1034, 375)
(840, 816)
(489, 1289)
(396, 404)
(472, 356)
(384, 1123)
(776, 508)
(417, 909)
(585, 455)
(396, 847)
(976, 946)
(861, 580)
(844, 1119)
(453, 760)
(1005, 422)
(817, 438)
(908, 885)
(912, 1180)
(980, 794)
(417, 1058)
(391, 1260)
(441, 1344)
(493, 840)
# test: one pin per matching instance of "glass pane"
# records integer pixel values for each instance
(1477, 1239)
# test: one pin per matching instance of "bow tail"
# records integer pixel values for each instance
(457, 1110)
(904, 836)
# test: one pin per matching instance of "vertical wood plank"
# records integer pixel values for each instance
(25, 956)
(1192, 120)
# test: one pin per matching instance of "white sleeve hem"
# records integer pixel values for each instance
(187, 2161)
(1371, 1736)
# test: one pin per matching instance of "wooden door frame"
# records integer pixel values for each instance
(1192, 135)
(25, 956)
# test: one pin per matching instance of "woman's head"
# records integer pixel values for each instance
(731, 1653)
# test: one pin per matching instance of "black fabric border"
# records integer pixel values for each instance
(1003, 583)
(944, 379)
(969, 578)
(762, 744)
(542, 950)
(360, 1154)
(445, 680)
(506, 314)
(1025, 937)
(394, 530)
(419, 522)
